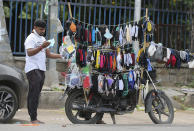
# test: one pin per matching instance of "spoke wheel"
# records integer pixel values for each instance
(8, 104)
(79, 116)
(162, 111)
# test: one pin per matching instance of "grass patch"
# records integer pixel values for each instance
(191, 85)
(57, 89)
(189, 109)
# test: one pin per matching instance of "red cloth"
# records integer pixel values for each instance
(111, 62)
(133, 58)
(90, 37)
(80, 53)
(86, 35)
(172, 60)
(86, 82)
(107, 62)
(101, 61)
(104, 61)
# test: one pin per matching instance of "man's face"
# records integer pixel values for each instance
(40, 30)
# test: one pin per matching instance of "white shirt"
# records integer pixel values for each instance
(119, 67)
(37, 61)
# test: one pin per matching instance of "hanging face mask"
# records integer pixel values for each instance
(149, 27)
(74, 80)
(100, 83)
(98, 37)
(93, 35)
(110, 81)
(151, 49)
(131, 79)
(121, 36)
(158, 55)
(108, 35)
(86, 81)
(121, 84)
(72, 27)
(52, 42)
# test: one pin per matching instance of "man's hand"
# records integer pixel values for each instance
(52, 55)
(34, 51)
(45, 44)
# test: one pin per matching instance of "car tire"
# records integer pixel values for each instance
(8, 104)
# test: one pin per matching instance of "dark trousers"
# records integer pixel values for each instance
(36, 80)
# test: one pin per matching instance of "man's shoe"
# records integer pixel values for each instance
(37, 122)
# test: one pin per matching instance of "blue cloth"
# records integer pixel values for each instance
(131, 80)
(149, 65)
(93, 35)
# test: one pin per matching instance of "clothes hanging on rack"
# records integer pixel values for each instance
(81, 56)
(109, 60)
(99, 35)
(172, 57)
(117, 84)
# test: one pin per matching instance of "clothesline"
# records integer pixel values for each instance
(168, 48)
(114, 73)
(100, 25)
(121, 48)
(109, 49)
(107, 25)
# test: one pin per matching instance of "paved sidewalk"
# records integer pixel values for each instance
(137, 117)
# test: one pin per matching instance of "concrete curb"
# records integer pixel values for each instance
(50, 99)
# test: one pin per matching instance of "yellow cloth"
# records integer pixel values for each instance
(127, 34)
(114, 63)
(149, 26)
(98, 59)
(139, 53)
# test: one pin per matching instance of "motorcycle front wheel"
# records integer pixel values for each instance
(80, 116)
(162, 111)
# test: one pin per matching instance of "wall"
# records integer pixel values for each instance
(168, 77)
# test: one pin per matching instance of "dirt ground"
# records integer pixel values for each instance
(137, 117)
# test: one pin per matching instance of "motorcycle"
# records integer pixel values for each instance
(89, 108)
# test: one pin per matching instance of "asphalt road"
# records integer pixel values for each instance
(48, 127)
(57, 120)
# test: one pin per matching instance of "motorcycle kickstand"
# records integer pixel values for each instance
(113, 117)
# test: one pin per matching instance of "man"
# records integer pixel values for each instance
(36, 53)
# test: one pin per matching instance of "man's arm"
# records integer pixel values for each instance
(34, 51)
(52, 55)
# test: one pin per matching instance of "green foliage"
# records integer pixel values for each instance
(6, 11)
(191, 85)
(27, 7)
(189, 3)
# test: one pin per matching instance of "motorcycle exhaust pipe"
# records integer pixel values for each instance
(92, 108)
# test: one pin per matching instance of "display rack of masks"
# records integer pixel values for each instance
(101, 60)
(104, 60)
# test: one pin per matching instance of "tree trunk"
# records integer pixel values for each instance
(192, 29)
(5, 50)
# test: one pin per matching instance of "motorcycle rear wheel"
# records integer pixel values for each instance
(162, 111)
(80, 116)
